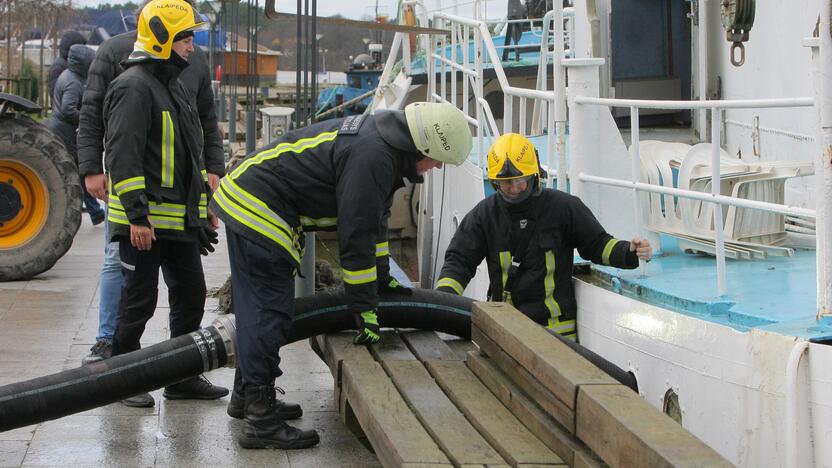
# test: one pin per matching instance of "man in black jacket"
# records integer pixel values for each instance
(68, 39)
(66, 105)
(338, 174)
(105, 67)
(527, 236)
(158, 204)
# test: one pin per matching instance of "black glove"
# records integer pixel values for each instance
(368, 330)
(394, 287)
(207, 237)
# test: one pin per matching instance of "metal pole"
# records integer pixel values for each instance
(719, 234)
(635, 174)
(824, 171)
(702, 52)
(559, 77)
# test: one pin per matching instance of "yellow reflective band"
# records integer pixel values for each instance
(359, 276)
(204, 175)
(128, 185)
(203, 199)
(255, 223)
(451, 283)
(167, 150)
(505, 264)
(383, 249)
(254, 205)
(565, 327)
(117, 217)
(370, 317)
(166, 222)
(549, 289)
(605, 257)
(296, 147)
(161, 209)
(319, 223)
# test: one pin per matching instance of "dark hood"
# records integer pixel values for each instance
(69, 39)
(80, 59)
(392, 126)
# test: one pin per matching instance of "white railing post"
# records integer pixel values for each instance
(559, 106)
(465, 80)
(478, 94)
(635, 173)
(719, 232)
(584, 137)
(702, 59)
(824, 171)
(431, 68)
(454, 42)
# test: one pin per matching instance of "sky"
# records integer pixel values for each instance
(351, 9)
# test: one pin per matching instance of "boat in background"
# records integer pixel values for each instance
(710, 149)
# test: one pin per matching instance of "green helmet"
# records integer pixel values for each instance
(439, 131)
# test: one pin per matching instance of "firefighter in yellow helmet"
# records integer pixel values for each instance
(527, 235)
(158, 192)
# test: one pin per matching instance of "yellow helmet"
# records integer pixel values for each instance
(160, 22)
(512, 156)
(439, 130)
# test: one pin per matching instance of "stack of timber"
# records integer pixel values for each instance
(575, 408)
(522, 398)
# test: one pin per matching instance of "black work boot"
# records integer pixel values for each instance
(236, 406)
(264, 429)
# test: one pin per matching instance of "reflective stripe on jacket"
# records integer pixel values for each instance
(154, 154)
(320, 178)
(542, 288)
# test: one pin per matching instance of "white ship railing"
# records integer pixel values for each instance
(715, 196)
(553, 103)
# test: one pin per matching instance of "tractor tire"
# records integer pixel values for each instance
(40, 198)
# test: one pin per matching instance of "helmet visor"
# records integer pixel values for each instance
(515, 190)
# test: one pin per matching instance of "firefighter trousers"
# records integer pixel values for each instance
(263, 291)
(182, 269)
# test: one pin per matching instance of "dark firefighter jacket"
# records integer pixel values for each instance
(105, 67)
(302, 181)
(153, 143)
(540, 236)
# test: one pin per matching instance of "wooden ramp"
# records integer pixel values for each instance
(519, 397)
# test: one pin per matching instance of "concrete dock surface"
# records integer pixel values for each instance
(48, 324)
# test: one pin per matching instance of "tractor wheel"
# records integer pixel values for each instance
(40, 198)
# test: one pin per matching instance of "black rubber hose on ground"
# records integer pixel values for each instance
(114, 379)
(426, 309)
(623, 377)
(119, 377)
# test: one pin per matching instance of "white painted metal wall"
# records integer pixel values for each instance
(731, 385)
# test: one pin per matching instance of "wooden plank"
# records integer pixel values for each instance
(541, 424)
(536, 391)
(337, 348)
(395, 433)
(624, 430)
(496, 423)
(391, 348)
(443, 421)
(587, 459)
(556, 366)
(428, 346)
